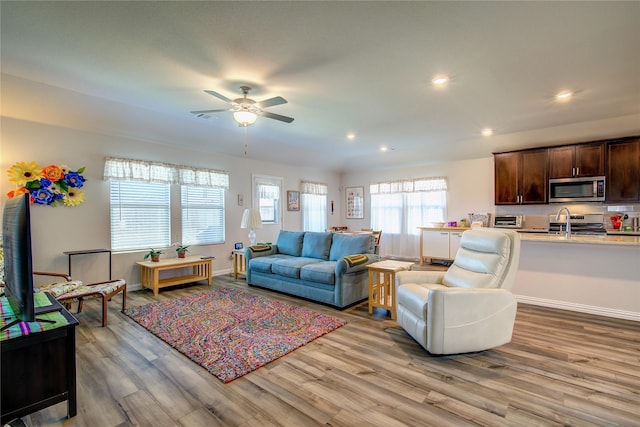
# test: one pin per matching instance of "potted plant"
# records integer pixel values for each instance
(182, 251)
(153, 254)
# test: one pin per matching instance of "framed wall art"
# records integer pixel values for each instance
(293, 200)
(354, 202)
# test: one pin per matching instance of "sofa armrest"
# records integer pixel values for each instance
(354, 263)
(257, 251)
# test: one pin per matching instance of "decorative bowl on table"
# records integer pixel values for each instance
(438, 224)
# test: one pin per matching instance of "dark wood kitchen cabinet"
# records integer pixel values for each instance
(623, 171)
(521, 177)
(578, 160)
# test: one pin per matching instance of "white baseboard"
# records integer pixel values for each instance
(563, 305)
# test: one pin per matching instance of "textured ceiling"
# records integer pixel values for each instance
(136, 69)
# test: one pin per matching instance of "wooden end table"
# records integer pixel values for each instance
(382, 284)
(150, 272)
(239, 263)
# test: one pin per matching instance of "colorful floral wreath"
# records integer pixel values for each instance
(47, 185)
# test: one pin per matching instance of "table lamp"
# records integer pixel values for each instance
(251, 219)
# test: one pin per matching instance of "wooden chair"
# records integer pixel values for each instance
(71, 290)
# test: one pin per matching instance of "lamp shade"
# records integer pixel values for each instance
(251, 219)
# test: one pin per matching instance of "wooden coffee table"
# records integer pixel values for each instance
(382, 284)
(150, 277)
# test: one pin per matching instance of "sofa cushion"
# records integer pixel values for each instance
(349, 244)
(263, 264)
(319, 272)
(316, 245)
(290, 267)
(290, 242)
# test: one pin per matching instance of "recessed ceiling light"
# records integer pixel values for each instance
(440, 80)
(565, 95)
(383, 148)
(487, 132)
(351, 136)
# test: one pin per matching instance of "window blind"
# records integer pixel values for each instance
(140, 215)
(202, 215)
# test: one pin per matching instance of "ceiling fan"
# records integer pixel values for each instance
(246, 110)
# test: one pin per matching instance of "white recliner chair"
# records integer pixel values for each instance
(470, 306)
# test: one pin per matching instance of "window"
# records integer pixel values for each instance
(400, 207)
(202, 215)
(267, 191)
(140, 215)
(141, 203)
(314, 206)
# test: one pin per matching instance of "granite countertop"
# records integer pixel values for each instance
(445, 228)
(582, 239)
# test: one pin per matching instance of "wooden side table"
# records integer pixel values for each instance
(382, 284)
(239, 263)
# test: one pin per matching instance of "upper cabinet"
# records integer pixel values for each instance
(623, 171)
(521, 177)
(576, 160)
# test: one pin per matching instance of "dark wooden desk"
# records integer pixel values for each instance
(39, 370)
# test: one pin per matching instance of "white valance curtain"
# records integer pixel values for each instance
(438, 183)
(398, 208)
(317, 188)
(267, 188)
(141, 170)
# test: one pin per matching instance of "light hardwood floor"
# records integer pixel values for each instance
(562, 368)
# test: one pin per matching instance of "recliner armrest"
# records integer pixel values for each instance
(403, 277)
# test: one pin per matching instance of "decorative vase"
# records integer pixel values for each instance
(182, 254)
(155, 258)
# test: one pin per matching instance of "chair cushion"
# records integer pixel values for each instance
(316, 245)
(290, 242)
(349, 244)
(481, 260)
(58, 289)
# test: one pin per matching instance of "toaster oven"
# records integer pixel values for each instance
(507, 221)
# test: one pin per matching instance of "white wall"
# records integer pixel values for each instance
(470, 186)
(59, 229)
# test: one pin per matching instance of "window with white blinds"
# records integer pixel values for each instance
(140, 215)
(202, 215)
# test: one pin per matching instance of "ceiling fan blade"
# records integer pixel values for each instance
(275, 116)
(209, 111)
(278, 100)
(217, 95)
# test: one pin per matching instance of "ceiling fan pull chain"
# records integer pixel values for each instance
(246, 145)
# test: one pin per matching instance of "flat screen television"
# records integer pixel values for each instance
(18, 272)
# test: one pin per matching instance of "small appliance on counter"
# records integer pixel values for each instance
(508, 221)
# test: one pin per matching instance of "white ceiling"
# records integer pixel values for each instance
(136, 69)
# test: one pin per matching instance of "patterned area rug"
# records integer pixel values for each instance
(229, 332)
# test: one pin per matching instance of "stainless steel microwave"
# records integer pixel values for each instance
(587, 189)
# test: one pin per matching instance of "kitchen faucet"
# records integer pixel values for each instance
(568, 226)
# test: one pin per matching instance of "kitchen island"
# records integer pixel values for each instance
(587, 273)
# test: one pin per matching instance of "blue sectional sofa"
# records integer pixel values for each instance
(324, 267)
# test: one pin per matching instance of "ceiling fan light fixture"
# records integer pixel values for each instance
(244, 117)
